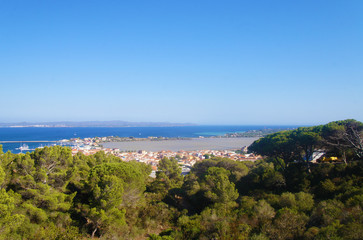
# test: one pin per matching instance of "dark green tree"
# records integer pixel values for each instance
(217, 186)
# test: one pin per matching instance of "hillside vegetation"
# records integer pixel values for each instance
(50, 194)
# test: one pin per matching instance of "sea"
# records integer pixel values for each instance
(38, 136)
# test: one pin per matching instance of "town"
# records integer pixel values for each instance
(90, 146)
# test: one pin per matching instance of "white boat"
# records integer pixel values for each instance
(25, 147)
(41, 146)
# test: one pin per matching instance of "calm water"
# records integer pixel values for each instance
(54, 134)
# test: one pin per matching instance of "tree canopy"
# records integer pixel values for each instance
(343, 139)
(50, 194)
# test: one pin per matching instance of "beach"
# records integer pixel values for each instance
(193, 144)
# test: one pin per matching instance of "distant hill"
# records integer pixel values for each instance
(95, 124)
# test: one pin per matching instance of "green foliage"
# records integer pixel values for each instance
(52, 232)
(190, 227)
(247, 205)
(278, 145)
(304, 201)
(288, 224)
(328, 212)
(338, 138)
(352, 231)
(263, 211)
(260, 236)
(111, 188)
(343, 137)
(2, 176)
(8, 220)
(217, 187)
(330, 232)
(50, 194)
(263, 176)
(237, 169)
(168, 177)
(170, 168)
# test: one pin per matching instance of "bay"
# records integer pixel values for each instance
(56, 134)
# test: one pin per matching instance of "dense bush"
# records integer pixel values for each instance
(50, 194)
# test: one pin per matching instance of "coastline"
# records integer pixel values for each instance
(192, 144)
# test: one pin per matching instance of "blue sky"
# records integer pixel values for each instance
(206, 62)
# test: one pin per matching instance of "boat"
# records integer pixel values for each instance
(41, 146)
(23, 147)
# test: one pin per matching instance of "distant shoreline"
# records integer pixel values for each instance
(92, 126)
(192, 144)
(116, 123)
(75, 126)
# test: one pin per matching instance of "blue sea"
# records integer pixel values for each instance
(56, 134)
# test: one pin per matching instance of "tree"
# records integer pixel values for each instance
(217, 187)
(344, 136)
(288, 224)
(172, 170)
(112, 188)
(280, 145)
(299, 145)
(307, 141)
(8, 220)
(104, 204)
(354, 136)
(263, 211)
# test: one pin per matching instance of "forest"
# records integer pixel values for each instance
(50, 194)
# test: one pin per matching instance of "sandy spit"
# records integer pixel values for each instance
(193, 144)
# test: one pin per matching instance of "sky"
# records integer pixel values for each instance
(205, 62)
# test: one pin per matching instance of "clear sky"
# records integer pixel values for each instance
(206, 62)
